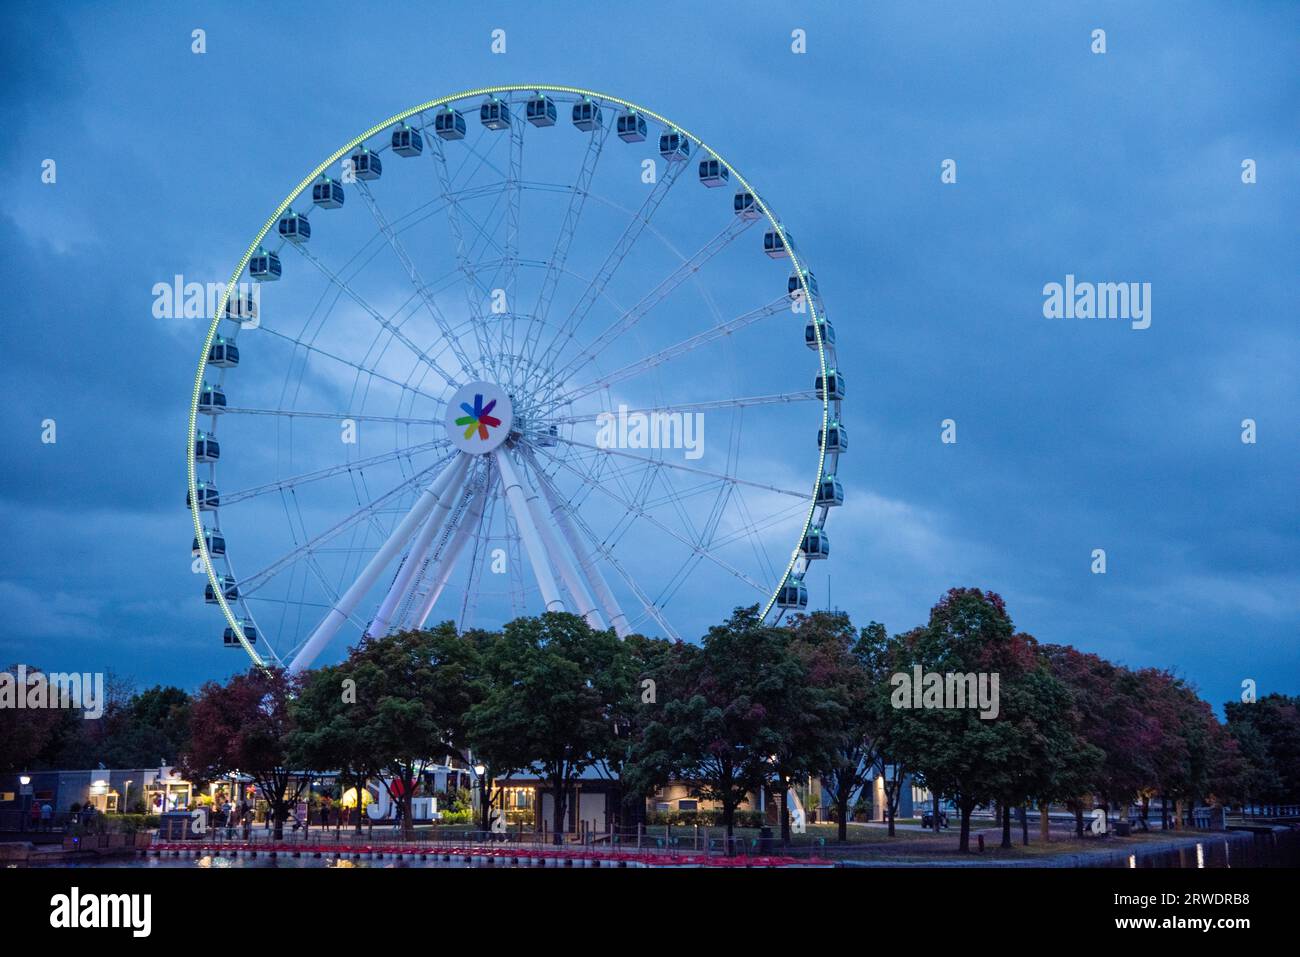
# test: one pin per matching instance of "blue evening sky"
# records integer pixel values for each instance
(1072, 434)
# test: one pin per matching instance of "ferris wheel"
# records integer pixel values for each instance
(516, 349)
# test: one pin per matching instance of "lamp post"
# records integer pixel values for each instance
(480, 771)
(25, 783)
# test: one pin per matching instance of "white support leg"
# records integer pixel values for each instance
(447, 561)
(613, 612)
(586, 606)
(340, 613)
(415, 557)
(514, 491)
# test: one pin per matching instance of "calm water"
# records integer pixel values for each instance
(1278, 849)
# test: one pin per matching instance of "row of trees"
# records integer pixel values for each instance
(750, 706)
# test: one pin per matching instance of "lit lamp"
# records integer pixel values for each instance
(25, 780)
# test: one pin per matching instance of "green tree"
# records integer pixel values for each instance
(413, 692)
(552, 686)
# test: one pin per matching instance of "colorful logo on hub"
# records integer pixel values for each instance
(478, 417)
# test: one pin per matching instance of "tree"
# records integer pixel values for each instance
(1267, 733)
(849, 668)
(329, 729)
(552, 686)
(413, 691)
(245, 726)
(734, 705)
(973, 758)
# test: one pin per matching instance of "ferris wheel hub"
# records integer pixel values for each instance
(479, 417)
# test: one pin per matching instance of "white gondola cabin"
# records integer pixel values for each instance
(407, 141)
(540, 110)
(631, 127)
(264, 266)
(294, 227)
(327, 194)
(449, 125)
(586, 115)
(713, 173)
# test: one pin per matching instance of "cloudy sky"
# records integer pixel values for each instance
(1072, 434)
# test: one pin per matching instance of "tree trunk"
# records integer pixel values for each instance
(842, 810)
(1044, 823)
(557, 815)
(934, 821)
(1006, 826)
(279, 812)
(361, 804)
(729, 821)
(964, 843)
(1078, 820)
(1023, 813)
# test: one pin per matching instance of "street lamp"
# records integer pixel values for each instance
(26, 789)
(480, 771)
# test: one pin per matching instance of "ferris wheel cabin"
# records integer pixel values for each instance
(631, 127)
(208, 498)
(231, 640)
(240, 307)
(836, 438)
(831, 386)
(816, 544)
(214, 540)
(793, 594)
(776, 246)
(224, 354)
(830, 492)
(713, 173)
(674, 146)
(745, 206)
(407, 142)
(822, 324)
(495, 114)
(449, 125)
(228, 588)
(540, 111)
(206, 449)
(294, 227)
(264, 266)
(212, 400)
(366, 164)
(795, 288)
(327, 194)
(586, 115)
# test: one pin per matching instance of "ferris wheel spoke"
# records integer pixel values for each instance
(579, 594)
(393, 330)
(564, 239)
(606, 552)
(664, 463)
(444, 563)
(335, 416)
(676, 351)
(451, 475)
(631, 233)
(517, 498)
(414, 275)
(446, 497)
(323, 473)
(317, 350)
(514, 190)
(564, 521)
(366, 513)
(684, 271)
(473, 290)
(743, 402)
(697, 548)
